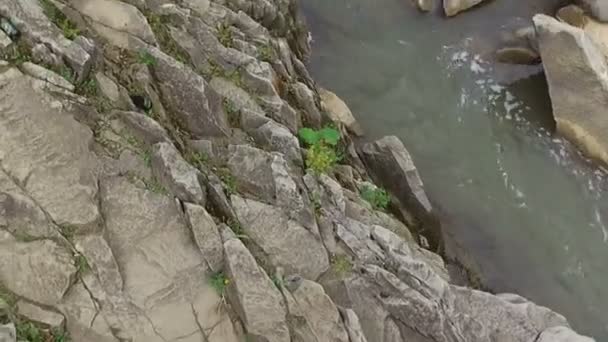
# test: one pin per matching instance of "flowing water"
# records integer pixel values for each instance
(522, 203)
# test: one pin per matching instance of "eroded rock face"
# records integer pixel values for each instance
(47, 151)
(561, 334)
(577, 76)
(256, 299)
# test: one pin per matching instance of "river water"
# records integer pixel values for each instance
(520, 203)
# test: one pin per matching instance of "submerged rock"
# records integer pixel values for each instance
(577, 75)
(453, 7)
(517, 55)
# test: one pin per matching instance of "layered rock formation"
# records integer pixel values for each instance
(152, 188)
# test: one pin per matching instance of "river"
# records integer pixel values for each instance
(519, 202)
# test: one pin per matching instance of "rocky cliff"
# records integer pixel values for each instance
(169, 171)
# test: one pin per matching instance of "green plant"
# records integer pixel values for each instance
(18, 53)
(87, 88)
(321, 155)
(278, 281)
(198, 159)
(69, 29)
(146, 156)
(341, 265)
(237, 229)
(228, 180)
(219, 281)
(81, 263)
(224, 35)
(67, 73)
(27, 331)
(145, 58)
(155, 186)
(160, 28)
(232, 112)
(265, 53)
(59, 335)
(68, 231)
(377, 197)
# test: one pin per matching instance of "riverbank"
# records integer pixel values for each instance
(171, 172)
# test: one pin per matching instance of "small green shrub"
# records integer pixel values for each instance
(265, 53)
(321, 155)
(341, 265)
(145, 58)
(377, 197)
(198, 159)
(228, 180)
(278, 281)
(82, 264)
(219, 281)
(224, 35)
(69, 29)
(27, 331)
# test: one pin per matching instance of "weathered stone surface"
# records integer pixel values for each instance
(47, 151)
(179, 177)
(101, 259)
(218, 201)
(267, 177)
(107, 87)
(189, 97)
(305, 98)
(314, 315)
(166, 295)
(37, 314)
(577, 76)
(453, 7)
(271, 135)
(353, 326)
(517, 55)
(8, 333)
(285, 242)
(115, 20)
(338, 111)
(42, 55)
(30, 20)
(47, 75)
(41, 270)
(143, 127)
(256, 299)
(239, 98)
(392, 168)
(206, 236)
(572, 15)
(360, 212)
(561, 334)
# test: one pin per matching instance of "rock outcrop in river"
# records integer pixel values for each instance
(152, 188)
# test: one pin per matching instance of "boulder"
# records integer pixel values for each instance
(305, 99)
(197, 107)
(577, 76)
(206, 236)
(392, 167)
(179, 177)
(255, 298)
(453, 7)
(517, 55)
(115, 21)
(47, 151)
(267, 177)
(31, 22)
(284, 242)
(41, 271)
(107, 87)
(339, 112)
(143, 127)
(425, 5)
(572, 15)
(47, 75)
(313, 315)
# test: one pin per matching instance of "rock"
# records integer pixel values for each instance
(8, 333)
(238, 97)
(353, 326)
(577, 76)
(29, 18)
(218, 202)
(107, 87)
(517, 55)
(453, 7)
(366, 215)
(314, 315)
(425, 5)
(188, 96)
(572, 15)
(255, 298)
(130, 163)
(203, 147)
(115, 21)
(100, 258)
(338, 111)
(284, 242)
(46, 75)
(37, 314)
(273, 136)
(5, 40)
(206, 235)
(305, 99)
(20, 216)
(267, 177)
(391, 165)
(597, 31)
(42, 55)
(8, 28)
(561, 334)
(44, 148)
(597, 8)
(40, 271)
(143, 127)
(179, 177)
